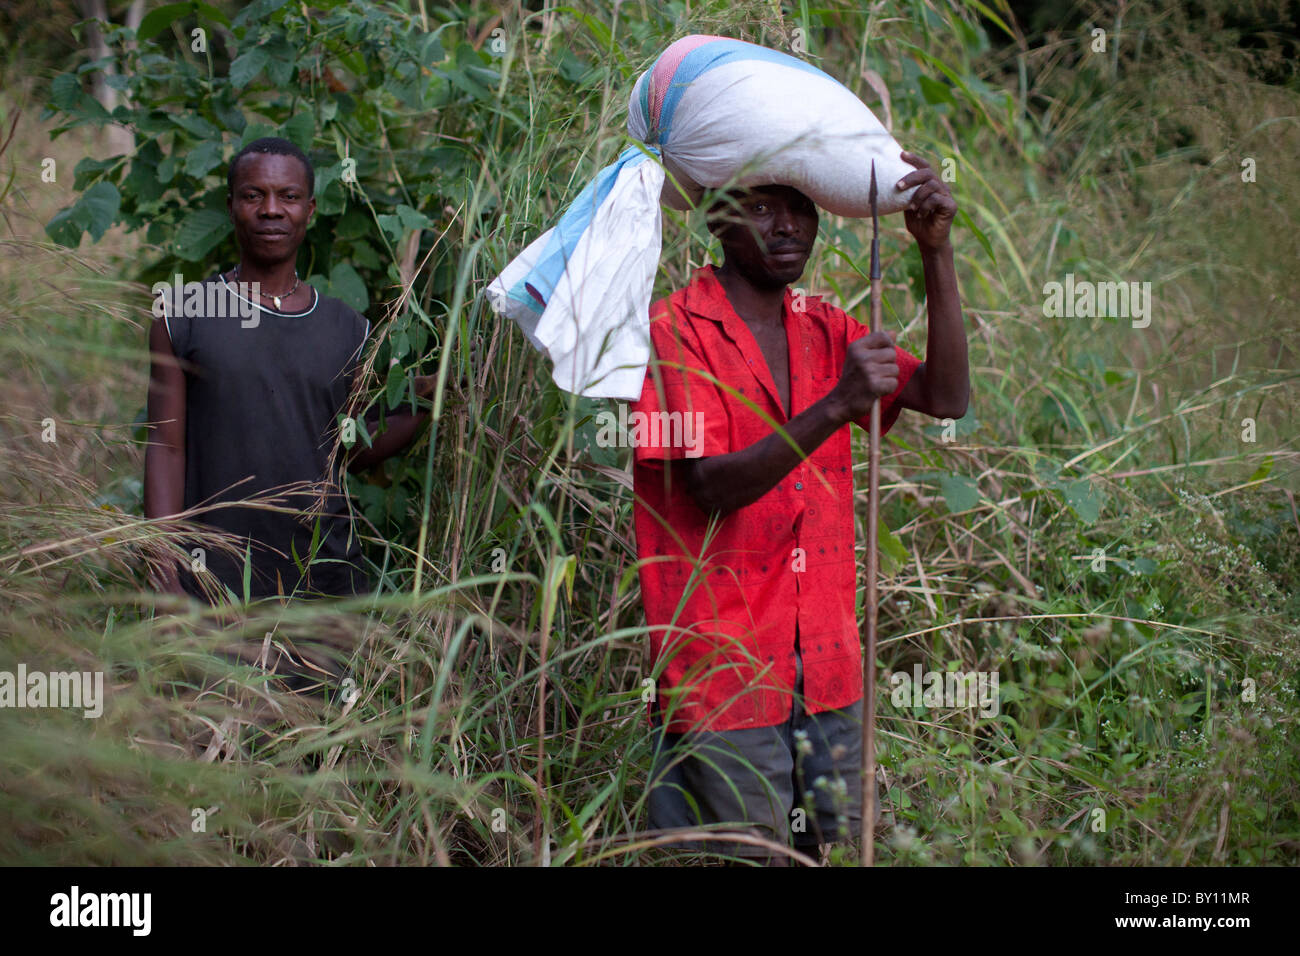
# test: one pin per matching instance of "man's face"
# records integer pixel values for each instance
(270, 206)
(768, 236)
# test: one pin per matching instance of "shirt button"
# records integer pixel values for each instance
(798, 486)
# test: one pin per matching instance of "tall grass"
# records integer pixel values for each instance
(498, 668)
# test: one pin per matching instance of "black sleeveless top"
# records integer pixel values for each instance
(264, 392)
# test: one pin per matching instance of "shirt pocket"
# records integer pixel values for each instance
(821, 382)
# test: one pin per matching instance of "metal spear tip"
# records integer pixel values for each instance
(875, 230)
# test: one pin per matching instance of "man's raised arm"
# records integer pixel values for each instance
(940, 387)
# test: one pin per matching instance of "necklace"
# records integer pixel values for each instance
(275, 298)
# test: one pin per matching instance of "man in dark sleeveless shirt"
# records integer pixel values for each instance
(250, 371)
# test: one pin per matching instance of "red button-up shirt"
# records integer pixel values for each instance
(724, 608)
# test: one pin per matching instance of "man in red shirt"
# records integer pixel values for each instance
(744, 517)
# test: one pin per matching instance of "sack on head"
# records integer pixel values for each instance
(712, 112)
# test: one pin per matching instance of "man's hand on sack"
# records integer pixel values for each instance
(930, 213)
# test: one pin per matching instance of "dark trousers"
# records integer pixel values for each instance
(797, 783)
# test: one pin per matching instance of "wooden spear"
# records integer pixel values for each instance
(873, 517)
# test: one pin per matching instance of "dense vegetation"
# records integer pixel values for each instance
(1105, 528)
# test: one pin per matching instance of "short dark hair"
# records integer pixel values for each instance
(275, 146)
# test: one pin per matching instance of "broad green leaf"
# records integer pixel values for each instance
(65, 91)
(212, 13)
(229, 114)
(413, 219)
(395, 385)
(97, 208)
(156, 21)
(256, 131)
(590, 415)
(934, 91)
(431, 50)
(88, 170)
(203, 158)
(399, 343)
(300, 130)
(257, 11)
(364, 255)
(576, 70)
(200, 233)
(364, 432)
(167, 169)
(1085, 500)
(960, 493)
(325, 175)
(347, 284)
(142, 182)
(470, 79)
(63, 229)
(403, 221)
(892, 553)
(195, 124)
(246, 66)
(280, 69)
